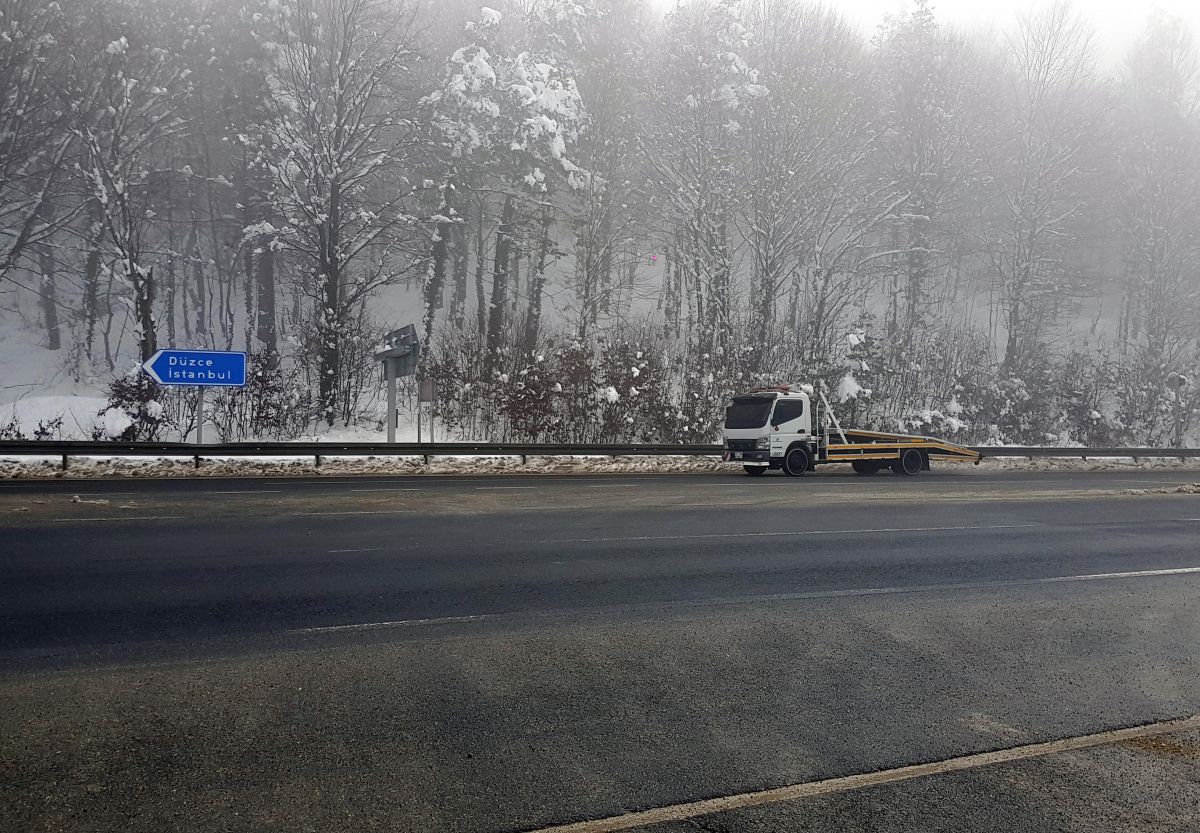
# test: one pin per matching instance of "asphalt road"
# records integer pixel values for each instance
(509, 653)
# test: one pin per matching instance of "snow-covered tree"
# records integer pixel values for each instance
(1159, 163)
(342, 135)
(510, 112)
(703, 88)
(1042, 175)
(135, 89)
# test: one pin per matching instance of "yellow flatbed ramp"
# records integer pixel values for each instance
(876, 445)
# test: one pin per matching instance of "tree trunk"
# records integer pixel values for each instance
(91, 276)
(143, 286)
(459, 255)
(264, 281)
(330, 317)
(918, 267)
(500, 274)
(480, 297)
(199, 289)
(605, 264)
(537, 286)
(49, 295)
(1012, 343)
(48, 266)
(169, 310)
(436, 281)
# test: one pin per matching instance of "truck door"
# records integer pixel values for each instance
(788, 423)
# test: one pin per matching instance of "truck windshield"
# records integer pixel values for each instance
(748, 412)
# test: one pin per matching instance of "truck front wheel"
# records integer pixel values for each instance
(796, 463)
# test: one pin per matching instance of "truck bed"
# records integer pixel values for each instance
(877, 445)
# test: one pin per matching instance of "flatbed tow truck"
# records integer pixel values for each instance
(776, 428)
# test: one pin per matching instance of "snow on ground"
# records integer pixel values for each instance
(79, 414)
(1094, 464)
(93, 467)
(35, 387)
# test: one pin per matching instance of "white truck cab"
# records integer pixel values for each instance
(763, 425)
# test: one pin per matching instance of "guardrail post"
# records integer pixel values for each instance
(196, 461)
(66, 462)
(524, 459)
(317, 458)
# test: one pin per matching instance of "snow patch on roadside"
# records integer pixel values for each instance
(1185, 489)
(93, 467)
(1095, 464)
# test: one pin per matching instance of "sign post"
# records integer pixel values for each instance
(425, 397)
(401, 353)
(200, 369)
(389, 368)
(1178, 381)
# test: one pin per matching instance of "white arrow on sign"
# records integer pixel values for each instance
(148, 366)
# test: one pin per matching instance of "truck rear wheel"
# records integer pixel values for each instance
(797, 461)
(911, 463)
(755, 471)
(866, 466)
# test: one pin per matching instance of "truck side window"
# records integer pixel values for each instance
(787, 411)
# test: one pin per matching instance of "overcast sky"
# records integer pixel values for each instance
(1117, 22)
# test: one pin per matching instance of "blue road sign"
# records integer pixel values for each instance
(201, 368)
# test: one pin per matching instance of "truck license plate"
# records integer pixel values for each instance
(737, 455)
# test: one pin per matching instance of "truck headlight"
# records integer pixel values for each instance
(762, 442)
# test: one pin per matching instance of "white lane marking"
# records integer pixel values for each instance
(378, 549)
(127, 518)
(494, 488)
(389, 489)
(361, 512)
(246, 492)
(153, 493)
(399, 623)
(849, 783)
(97, 494)
(772, 597)
(782, 534)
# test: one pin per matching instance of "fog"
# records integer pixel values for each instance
(604, 217)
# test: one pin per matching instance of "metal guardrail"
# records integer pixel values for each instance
(67, 449)
(1083, 453)
(317, 450)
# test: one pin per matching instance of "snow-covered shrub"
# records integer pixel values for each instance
(1087, 385)
(275, 404)
(526, 399)
(140, 409)
(12, 430)
(1146, 404)
(1025, 409)
(944, 424)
